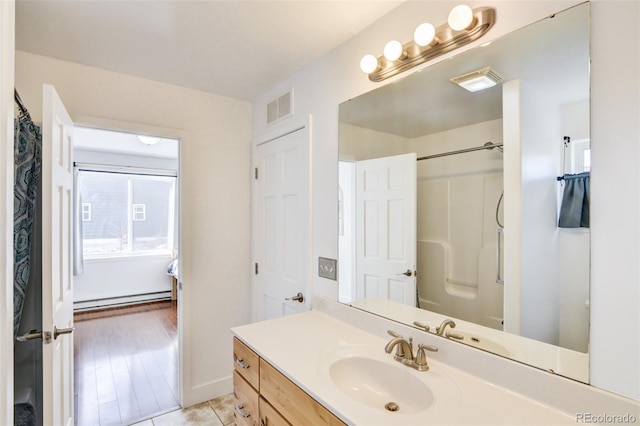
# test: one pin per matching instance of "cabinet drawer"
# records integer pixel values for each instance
(246, 363)
(246, 405)
(290, 401)
(269, 416)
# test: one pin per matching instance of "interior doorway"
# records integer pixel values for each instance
(126, 260)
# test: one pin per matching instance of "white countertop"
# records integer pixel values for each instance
(303, 346)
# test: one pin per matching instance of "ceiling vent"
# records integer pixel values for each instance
(280, 108)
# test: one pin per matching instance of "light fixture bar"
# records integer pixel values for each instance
(483, 17)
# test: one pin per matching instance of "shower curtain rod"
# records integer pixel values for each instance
(488, 145)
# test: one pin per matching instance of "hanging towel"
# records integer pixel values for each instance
(28, 157)
(574, 211)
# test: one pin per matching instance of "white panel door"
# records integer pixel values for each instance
(57, 270)
(283, 225)
(386, 228)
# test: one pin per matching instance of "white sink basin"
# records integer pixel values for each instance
(381, 385)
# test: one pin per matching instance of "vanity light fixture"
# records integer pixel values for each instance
(394, 50)
(463, 26)
(425, 34)
(479, 79)
(369, 64)
(461, 18)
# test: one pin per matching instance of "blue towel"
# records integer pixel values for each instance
(574, 211)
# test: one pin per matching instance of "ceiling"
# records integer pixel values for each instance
(90, 139)
(231, 48)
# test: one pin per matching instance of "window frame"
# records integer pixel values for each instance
(132, 172)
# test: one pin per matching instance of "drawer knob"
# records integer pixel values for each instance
(241, 363)
(240, 410)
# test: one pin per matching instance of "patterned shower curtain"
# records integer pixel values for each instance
(28, 157)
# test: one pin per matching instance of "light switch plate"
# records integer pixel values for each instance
(328, 268)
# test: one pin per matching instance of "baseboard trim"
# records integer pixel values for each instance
(208, 391)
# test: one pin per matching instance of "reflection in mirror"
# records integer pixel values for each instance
(474, 205)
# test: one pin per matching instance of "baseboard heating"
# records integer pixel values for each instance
(111, 302)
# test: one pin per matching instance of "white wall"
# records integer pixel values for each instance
(215, 159)
(104, 280)
(574, 250)
(364, 144)
(615, 225)
(615, 290)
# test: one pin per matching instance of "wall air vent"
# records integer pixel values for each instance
(280, 107)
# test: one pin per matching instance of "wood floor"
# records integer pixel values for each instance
(126, 364)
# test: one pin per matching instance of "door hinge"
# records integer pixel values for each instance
(255, 173)
(256, 268)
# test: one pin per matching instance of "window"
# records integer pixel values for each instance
(580, 156)
(86, 212)
(128, 214)
(139, 212)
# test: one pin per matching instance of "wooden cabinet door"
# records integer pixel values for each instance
(269, 416)
(246, 363)
(246, 406)
(292, 402)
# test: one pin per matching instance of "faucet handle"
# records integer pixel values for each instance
(430, 348)
(422, 325)
(421, 357)
(393, 333)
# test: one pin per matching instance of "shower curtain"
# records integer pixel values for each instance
(28, 157)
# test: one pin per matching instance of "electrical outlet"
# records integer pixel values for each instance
(328, 268)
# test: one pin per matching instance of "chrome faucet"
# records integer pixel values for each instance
(404, 351)
(441, 328)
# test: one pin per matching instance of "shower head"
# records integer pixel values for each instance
(491, 145)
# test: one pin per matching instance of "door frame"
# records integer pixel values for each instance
(281, 129)
(184, 323)
(7, 61)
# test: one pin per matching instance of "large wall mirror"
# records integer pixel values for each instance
(474, 205)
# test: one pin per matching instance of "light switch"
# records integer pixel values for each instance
(328, 268)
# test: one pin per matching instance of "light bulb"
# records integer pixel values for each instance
(460, 17)
(368, 64)
(424, 34)
(393, 50)
(148, 140)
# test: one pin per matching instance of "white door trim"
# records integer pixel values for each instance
(7, 59)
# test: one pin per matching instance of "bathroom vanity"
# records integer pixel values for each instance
(330, 363)
(262, 392)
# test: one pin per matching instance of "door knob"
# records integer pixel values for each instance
(298, 297)
(407, 273)
(58, 331)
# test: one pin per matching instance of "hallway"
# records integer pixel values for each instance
(126, 363)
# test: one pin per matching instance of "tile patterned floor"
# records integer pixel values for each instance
(217, 412)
